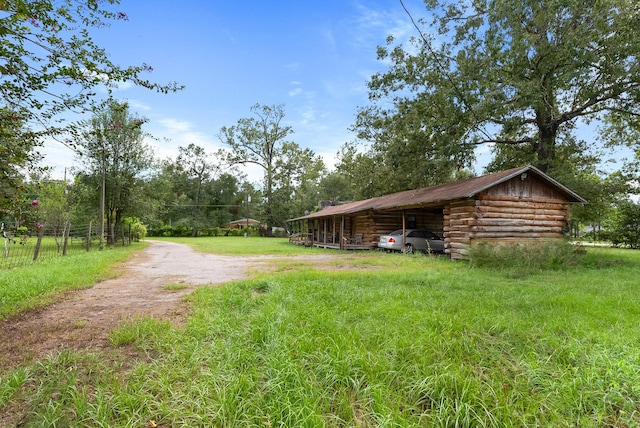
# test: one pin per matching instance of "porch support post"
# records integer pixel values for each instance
(404, 231)
(333, 230)
(342, 246)
(313, 233)
(324, 230)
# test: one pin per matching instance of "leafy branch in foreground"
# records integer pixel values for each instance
(49, 63)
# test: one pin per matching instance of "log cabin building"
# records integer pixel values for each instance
(518, 205)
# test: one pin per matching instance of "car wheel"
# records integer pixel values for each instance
(408, 249)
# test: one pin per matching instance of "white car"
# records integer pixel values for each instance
(415, 240)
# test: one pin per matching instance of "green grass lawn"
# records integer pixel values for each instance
(37, 283)
(17, 253)
(401, 341)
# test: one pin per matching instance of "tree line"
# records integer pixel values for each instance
(117, 179)
(521, 79)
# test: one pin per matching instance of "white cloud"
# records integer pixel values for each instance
(174, 125)
(122, 86)
(327, 33)
(136, 105)
(294, 92)
(374, 25)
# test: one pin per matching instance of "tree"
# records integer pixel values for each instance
(335, 187)
(227, 199)
(297, 178)
(55, 209)
(114, 156)
(516, 74)
(193, 162)
(16, 156)
(626, 224)
(387, 168)
(357, 167)
(190, 192)
(259, 140)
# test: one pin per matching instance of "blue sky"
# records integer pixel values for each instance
(312, 56)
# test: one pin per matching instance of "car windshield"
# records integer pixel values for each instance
(396, 232)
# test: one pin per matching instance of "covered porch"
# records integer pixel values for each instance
(360, 229)
(329, 232)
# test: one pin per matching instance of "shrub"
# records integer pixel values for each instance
(170, 231)
(547, 255)
(138, 231)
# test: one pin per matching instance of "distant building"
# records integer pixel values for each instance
(243, 222)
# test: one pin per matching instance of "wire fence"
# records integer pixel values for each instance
(19, 248)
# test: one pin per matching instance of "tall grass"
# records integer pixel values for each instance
(546, 255)
(420, 342)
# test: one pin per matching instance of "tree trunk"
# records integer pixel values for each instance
(547, 126)
(546, 146)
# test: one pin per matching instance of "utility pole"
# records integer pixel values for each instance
(247, 213)
(102, 198)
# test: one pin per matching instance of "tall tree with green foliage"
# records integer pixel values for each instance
(625, 224)
(191, 193)
(297, 179)
(194, 163)
(335, 187)
(514, 74)
(55, 208)
(261, 140)
(114, 156)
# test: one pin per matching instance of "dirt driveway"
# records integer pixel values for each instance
(84, 318)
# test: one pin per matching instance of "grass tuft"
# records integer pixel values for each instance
(141, 331)
(175, 287)
(528, 257)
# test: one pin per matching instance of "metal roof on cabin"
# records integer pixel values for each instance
(348, 208)
(440, 194)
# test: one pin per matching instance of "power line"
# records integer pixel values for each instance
(200, 205)
(444, 71)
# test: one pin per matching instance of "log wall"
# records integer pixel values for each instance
(459, 218)
(502, 218)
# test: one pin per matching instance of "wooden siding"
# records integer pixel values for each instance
(512, 212)
(531, 187)
(459, 217)
(373, 224)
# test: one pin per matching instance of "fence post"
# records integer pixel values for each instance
(36, 250)
(66, 237)
(89, 238)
